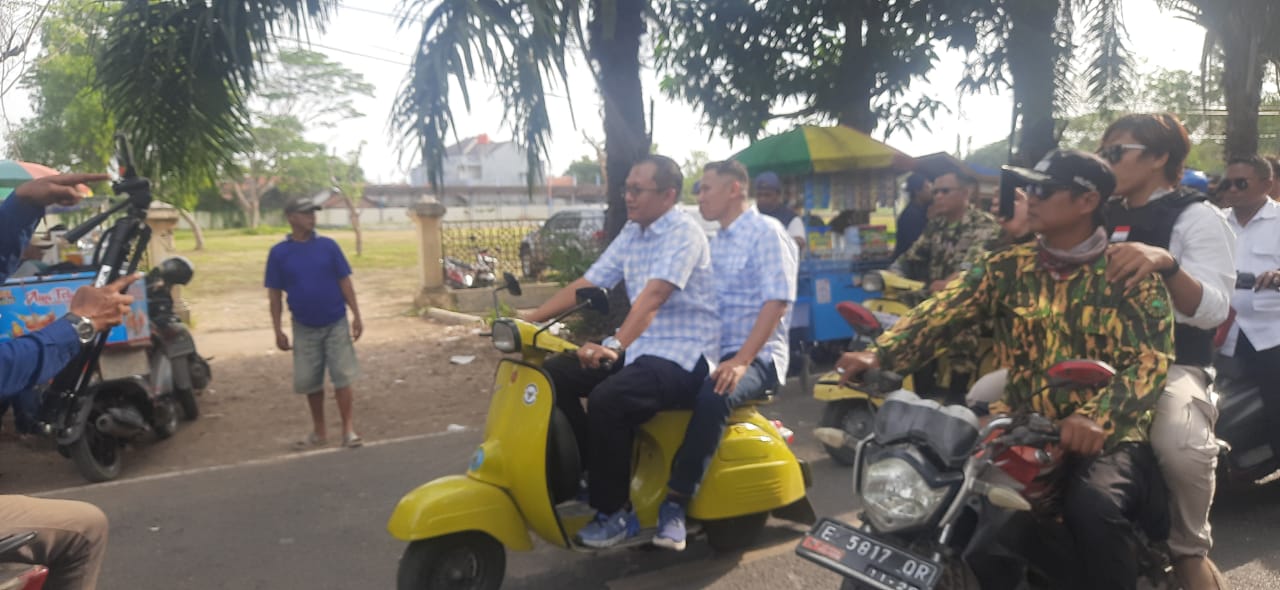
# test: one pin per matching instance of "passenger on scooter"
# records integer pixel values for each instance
(1051, 301)
(1159, 229)
(1254, 334)
(670, 338)
(755, 264)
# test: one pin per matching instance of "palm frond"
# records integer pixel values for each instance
(1110, 73)
(521, 46)
(176, 74)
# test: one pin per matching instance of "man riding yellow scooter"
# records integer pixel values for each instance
(524, 476)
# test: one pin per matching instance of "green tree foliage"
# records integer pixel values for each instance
(70, 128)
(1241, 35)
(692, 170)
(1034, 47)
(849, 62)
(585, 170)
(177, 75)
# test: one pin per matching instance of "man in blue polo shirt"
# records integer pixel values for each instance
(315, 274)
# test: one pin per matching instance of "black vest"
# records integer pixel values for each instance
(1152, 224)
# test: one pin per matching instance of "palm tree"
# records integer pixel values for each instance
(524, 46)
(176, 74)
(1028, 45)
(1243, 34)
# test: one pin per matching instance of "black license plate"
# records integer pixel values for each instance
(843, 549)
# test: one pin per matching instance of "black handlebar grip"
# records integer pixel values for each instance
(881, 381)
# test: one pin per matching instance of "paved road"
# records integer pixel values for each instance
(317, 522)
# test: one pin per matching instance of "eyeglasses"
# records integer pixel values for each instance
(635, 190)
(1238, 183)
(1114, 153)
(942, 190)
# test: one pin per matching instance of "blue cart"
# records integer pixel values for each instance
(818, 332)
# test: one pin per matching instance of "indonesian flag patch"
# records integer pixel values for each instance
(1120, 234)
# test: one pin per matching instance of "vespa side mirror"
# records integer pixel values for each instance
(595, 298)
(1081, 373)
(858, 317)
(512, 285)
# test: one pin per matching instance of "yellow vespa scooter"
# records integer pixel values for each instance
(525, 476)
(849, 409)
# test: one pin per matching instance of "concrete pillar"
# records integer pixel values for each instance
(428, 216)
(163, 219)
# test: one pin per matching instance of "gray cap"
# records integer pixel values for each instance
(301, 205)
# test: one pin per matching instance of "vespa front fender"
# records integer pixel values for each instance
(455, 504)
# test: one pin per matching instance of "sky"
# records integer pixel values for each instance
(365, 37)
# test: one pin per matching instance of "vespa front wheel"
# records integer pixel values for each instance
(466, 561)
(855, 417)
(97, 455)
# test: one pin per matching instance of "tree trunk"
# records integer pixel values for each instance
(1033, 56)
(858, 75)
(195, 227)
(355, 224)
(1242, 70)
(615, 30)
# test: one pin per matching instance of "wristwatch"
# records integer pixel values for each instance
(83, 326)
(1172, 270)
(613, 344)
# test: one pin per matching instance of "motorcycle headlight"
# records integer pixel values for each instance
(506, 336)
(896, 496)
(872, 282)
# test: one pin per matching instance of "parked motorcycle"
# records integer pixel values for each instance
(935, 488)
(1243, 423)
(19, 576)
(486, 265)
(525, 476)
(109, 396)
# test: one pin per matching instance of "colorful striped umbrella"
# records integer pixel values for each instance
(14, 173)
(808, 149)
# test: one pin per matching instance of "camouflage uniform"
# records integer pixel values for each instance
(1039, 321)
(946, 247)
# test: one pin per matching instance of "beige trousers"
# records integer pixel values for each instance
(1187, 450)
(71, 538)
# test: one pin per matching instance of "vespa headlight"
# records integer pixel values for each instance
(506, 336)
(896, 496)
(872, 282)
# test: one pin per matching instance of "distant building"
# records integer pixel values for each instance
(478, 161)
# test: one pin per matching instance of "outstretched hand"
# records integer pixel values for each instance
(59, 189)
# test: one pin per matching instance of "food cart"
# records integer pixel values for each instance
(831, 169)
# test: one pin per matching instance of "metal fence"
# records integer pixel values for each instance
(463, 239)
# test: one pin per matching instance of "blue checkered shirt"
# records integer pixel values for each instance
(673, 249)
(755, 261)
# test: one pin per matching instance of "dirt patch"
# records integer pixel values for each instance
(408, 386)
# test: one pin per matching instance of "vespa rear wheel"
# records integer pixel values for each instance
(855, 417)
(97, 455)
(165, 421)
(734, 534)
(462, 561)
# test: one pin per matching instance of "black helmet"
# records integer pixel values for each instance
(175, 270)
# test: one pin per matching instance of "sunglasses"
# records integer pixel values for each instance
(1238, 183)
(1114, 153)
(1044, 191)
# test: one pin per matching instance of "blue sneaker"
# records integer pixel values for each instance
(607, 530)
(671, 530)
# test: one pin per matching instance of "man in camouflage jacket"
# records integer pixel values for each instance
(1050, 301)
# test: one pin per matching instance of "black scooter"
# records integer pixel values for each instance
(1242, 421)
(93, 408)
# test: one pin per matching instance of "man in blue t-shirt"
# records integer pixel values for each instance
(315, 274)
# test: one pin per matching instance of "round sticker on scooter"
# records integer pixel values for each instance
(530, 394)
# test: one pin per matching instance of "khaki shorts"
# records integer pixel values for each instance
(317, 349)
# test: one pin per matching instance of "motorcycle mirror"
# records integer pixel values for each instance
(595, 298)
(512, 285)
(859, 317)
(1081, 373)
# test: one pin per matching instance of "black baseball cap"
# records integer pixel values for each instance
(301, 205)
(1070, 168)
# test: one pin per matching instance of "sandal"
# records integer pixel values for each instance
(312, 441)
(351, 440)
